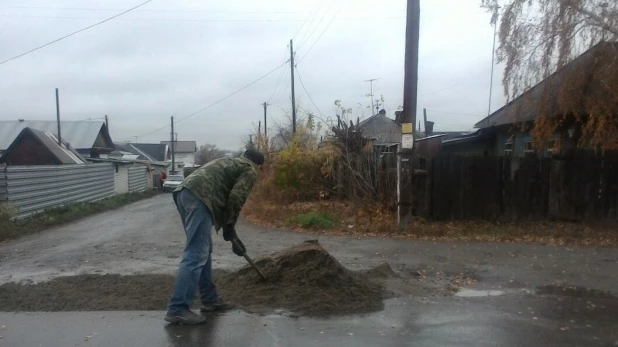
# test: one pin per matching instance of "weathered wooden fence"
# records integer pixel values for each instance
(497, 188)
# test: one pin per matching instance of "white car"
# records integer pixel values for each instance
(172, 182)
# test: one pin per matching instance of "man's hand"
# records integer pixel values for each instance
(229, 232)
(238, 247)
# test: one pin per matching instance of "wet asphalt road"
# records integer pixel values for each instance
(146, 237)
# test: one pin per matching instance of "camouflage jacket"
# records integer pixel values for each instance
(223, 186)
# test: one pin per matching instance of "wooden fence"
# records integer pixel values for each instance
(512, 189)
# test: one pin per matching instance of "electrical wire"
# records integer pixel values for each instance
(303, 25)
(312, 20)
(76, 32)
(205, 20)
(214, 103)
(309, 95)
(318, 39)
(314, 29)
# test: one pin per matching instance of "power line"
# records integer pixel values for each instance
(314, 29)
(303, 25)
(281, 72)
(311, 23)
(318, 39)
(205, 20)
(76, 32)
(309, 95)
(216, 102)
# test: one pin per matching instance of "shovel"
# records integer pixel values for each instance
(257, 269)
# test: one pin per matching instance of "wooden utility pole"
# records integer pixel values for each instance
(172, 145)
(405, 165)
(293, 98)
(259, 134)
(58, 117)
(265, 128)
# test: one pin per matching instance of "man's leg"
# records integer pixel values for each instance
(211, 301)
(197, 224)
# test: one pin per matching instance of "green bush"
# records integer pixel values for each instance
(315, 220)
(6, 212)
(302, 173)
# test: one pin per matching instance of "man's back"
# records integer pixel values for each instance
(213, 182)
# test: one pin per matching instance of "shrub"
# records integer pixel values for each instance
(315, 220)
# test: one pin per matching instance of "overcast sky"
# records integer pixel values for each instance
(175, 57)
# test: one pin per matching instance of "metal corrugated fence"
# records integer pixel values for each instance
(32, 189)
(138, 179)
(3, 183)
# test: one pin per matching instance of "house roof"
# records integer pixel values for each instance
(527, 106)
(63, 154)
(156, 151)
(386, 120)
(182, 146)
(144, 151)
(79, 134)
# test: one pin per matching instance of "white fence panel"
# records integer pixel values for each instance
(138, 178)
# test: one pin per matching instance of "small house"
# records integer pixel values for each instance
(88, 138)
(36, 147)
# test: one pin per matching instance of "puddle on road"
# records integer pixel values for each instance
(472, 293)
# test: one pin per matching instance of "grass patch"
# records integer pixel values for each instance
(11, 229)
(314, 220)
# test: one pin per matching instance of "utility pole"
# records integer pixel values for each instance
(370, 95)
(493, 57)
(58, 117)
(293, 97)
(405, 165)
(265, 128)
(259, 134)
(172, 143)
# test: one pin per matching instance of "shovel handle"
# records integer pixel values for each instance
(249, 260)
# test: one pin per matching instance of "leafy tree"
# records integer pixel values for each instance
(538, 38)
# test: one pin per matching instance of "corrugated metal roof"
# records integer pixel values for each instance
(182, 146)
(79, 134)
(64, 154)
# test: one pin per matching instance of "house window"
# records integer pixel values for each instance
(553, 146)
(528, 147)
(508, 147)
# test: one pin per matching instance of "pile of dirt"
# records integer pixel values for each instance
(303, 279)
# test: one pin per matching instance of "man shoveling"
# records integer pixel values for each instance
(212, 195)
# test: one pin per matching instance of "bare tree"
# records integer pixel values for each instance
(207, 153)
(540, 37)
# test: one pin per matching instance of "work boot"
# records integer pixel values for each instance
(186, 317)
(218, 305)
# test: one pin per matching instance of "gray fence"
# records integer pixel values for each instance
(3, 196)
(31, 189)
(138, 179)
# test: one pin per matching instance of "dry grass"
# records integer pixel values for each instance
(363, 222)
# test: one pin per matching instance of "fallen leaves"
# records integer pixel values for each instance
(381, 223)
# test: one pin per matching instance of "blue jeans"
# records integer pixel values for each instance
(195, 269)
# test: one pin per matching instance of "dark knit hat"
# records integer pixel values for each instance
(254, 156)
